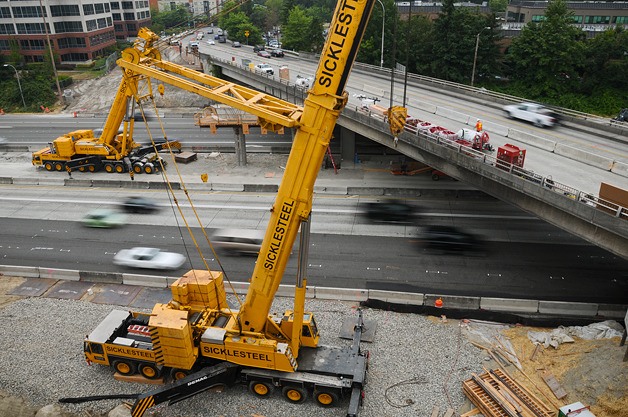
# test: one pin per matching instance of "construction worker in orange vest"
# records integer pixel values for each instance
(478, 125)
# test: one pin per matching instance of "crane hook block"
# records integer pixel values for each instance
(397, 116)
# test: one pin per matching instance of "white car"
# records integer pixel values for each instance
(534, 113)
(148, 258)
(211, 42)
(264, 69)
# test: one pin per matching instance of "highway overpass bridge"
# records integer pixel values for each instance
(601, 222)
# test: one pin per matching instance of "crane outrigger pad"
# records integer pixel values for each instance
(347, 330)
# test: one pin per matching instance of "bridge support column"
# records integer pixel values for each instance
(347, 144)
(240, 146)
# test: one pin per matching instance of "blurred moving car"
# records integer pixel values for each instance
(449, 239)
(534, 113)
(137, 204)
(104, 218)
(392, 211)
(211, 42)
(237, 241)
(263, 53)
(258, 48)
(148, 258)
(236, 44)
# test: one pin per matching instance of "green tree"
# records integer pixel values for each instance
(293, 35)
(237, 24)
(421, 38)
(371, 46)
(545, 60)
(170, 19)
(453, 50)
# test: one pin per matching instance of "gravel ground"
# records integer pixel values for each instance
(42, 361)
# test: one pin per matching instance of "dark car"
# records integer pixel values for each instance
(139, 205)
(449, 239)
(392, 211)
(276, 52)
(258, 48)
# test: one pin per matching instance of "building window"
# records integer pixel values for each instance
(5, 12)
(65, 10)
(116, 16)
(32, 11)
(4, 45)
(577, 19)
(99, 8)
(118, 27)
(102, 38)
(597, 20)
(206, 6)
(65, 43)
(30, 28)
(127, 5)
(102, 23)
(91, 25)
(538, 18)
(7, 29)
(173, 6)
(32, 45)
(130, 27)
(129, 16)
(64, 27)
(88, 9)
(620, 20)
(74, 57)
(107, 9)
(115, 5)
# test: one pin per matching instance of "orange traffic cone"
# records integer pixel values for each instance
(438, 303)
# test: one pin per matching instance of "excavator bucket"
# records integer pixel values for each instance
(397, 116)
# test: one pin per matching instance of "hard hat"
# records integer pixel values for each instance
(478, 120)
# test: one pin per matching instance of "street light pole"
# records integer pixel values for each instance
(475, 56)
(18, 83)
(381, 59)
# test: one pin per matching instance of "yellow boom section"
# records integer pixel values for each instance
(293, 204)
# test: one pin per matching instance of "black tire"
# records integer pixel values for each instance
(124, 367)
(293, 394)
(149, 168)
(109, 167)
(149, 371)
(177, 374)
(261, 389)
(435, 177)
(49, 166)
(59, 166)
(138, 167)
(120, 168)
(326, 398)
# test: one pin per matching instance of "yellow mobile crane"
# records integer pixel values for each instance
(196, 338)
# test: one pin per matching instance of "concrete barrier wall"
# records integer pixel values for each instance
(330, 190)
(25, 181)
(561, 308)
(64, 274)
(496, 129)
(532, 307)
(78, 183)
(19, 271)
(619, 168)
(533, 140)
(145, 280)
(6, 180)
(584, 157)
(396, 297)
(509, 305)
(328, 293)
(51, 181)
(216, 186)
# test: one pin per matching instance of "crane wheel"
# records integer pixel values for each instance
(149, 371)
(124, 367)
(119, 168)
(435, 177)
(48, 166)
(149, 168)
(261, 389)
(177, 374)
(138, 167)
(81, 168)
(326, 398)
(108, 167)
(59, 166)
(295, 395)
(91, 168)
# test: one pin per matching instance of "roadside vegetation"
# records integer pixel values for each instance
(551, 61)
